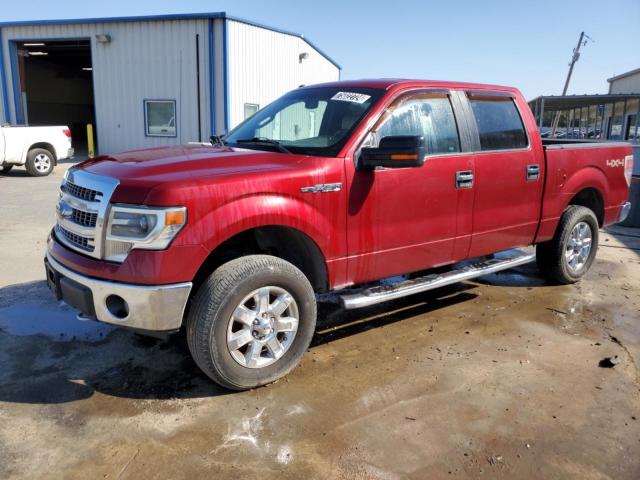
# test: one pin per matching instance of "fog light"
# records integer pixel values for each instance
(117, 306)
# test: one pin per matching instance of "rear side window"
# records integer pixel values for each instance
(499, 124)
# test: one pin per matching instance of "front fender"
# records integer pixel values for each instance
(260, 210)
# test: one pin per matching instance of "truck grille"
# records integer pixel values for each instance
(76, 240)
(80, 192)
(82, 210)
(85, 219)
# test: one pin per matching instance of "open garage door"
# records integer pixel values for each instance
(56, 86)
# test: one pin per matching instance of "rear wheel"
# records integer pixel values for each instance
(6, 168)
(39, 162)
(251, 321)
(567, 257)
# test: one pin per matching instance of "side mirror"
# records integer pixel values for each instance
(399, 151)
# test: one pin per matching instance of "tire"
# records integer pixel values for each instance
(215, 320)
(6, 168)
(39, 162)
(558, 259)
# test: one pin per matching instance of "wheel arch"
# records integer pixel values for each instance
(591, 198)
(45, 146)
(282, 241)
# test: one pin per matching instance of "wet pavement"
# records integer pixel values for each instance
(495, 378)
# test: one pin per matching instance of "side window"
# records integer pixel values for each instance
(426, 115)
(499, 124)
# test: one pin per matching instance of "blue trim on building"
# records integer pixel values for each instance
(212, 80)
(178, 16)
(15, 80)
(142, 18)
(3, 85)
(225, 56)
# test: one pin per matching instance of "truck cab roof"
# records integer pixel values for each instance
(399, 83)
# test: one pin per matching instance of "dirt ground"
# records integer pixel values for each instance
(497, 378)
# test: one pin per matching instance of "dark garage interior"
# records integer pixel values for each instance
(57, 86)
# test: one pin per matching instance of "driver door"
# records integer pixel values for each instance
(403, 220)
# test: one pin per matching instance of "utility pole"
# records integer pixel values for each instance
(576, 55)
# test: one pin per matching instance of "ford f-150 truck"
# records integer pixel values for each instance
(37, 148)
(329, 188)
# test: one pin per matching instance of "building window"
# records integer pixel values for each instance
(633, 130)
(160, 118)
(616, 122)
(250, 109)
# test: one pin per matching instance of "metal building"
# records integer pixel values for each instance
(628, 82)
(150, 81)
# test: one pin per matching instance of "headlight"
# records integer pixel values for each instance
(147, 228)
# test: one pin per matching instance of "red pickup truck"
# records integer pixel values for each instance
(331, 186)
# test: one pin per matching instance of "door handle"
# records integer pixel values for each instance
(533, 172)
(464, 179)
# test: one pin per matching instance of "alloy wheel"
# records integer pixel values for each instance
(262, 327)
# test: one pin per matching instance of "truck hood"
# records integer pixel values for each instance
(140, 171)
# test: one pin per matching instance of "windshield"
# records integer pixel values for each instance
(311, 121)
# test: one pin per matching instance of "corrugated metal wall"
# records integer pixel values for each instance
(630, 84)
(157, 60)
(264, 64)
(144, 60)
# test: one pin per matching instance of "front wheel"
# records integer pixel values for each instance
(251, 321)
(567, 257)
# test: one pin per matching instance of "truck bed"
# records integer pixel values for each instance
(574, 166)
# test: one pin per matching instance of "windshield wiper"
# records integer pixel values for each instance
(266, 140)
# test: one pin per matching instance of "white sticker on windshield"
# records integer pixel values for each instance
(351, 97)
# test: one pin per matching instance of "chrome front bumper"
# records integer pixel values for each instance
(624, 212)
(153, 308)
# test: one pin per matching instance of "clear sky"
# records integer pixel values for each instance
(526, 44)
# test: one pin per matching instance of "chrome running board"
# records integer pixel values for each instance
(384, 293)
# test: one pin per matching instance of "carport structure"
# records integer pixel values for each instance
(611, 116)
(614, 117)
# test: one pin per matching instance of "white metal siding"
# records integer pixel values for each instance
(264, 64)
(145, 60)
(630, 84)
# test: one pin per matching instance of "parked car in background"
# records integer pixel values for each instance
(37, 148)
(331, 186)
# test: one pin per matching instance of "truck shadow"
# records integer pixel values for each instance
(523, 276)
(629, 237)
(43, 370)
(335, 323)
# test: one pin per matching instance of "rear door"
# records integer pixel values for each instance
(508, 177)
